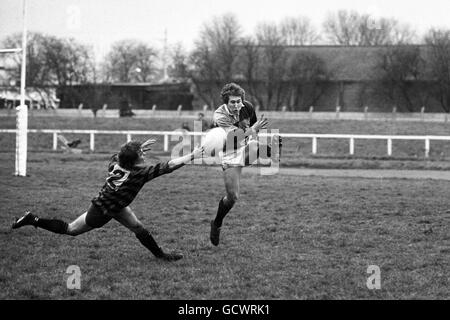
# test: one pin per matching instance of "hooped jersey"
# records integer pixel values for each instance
(230, 122)
(123, 185)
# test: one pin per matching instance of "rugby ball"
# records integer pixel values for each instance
(214, 141)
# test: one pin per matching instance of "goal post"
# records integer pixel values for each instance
(22, 109)
(21, 117)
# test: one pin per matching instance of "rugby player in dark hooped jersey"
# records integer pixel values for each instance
(127, 174)
(238, 118)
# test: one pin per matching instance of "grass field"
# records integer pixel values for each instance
(289, 237)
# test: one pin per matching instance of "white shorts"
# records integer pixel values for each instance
(236, 158)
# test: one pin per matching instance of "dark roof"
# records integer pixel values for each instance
(351, 63)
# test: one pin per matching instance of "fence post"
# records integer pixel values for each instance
(91, 141)
(352, 146)
(55, 141)
(427, 147)
(166, 142)
(389, 146)
(314, 145)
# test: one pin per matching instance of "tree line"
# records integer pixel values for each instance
(274, 75)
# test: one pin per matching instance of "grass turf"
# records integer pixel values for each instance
(289, 237)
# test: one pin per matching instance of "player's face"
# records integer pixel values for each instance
(235, 104)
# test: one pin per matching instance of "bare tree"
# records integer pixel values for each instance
(250, 60)
(178, 67)
(215, 55)
(273, 65)
(402, 33)
(342, 28)
(70, 61)
(353, 28)
(307, 74)
(439, 42)
(37, 72)
(53, 62)
(403, 70)
(298, 31)
(131, 61)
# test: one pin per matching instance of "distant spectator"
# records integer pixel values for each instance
(94, 110)
(125, 109)
(206, 125)
(185, 126)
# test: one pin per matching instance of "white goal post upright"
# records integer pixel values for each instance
(22, 109)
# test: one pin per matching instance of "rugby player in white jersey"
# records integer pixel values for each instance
(238, 118)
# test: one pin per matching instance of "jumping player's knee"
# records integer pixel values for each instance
(232, 198)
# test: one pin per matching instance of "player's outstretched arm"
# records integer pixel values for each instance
(195, 154)
(262, 123)
(241, 133)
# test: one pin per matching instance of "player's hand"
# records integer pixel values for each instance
(198, 152)
(146, 146)
(262, 123)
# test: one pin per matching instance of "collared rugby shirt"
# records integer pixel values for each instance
(229, 121)
(122, 185)
(225, 119)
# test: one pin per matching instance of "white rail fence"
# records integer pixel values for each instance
(314, 136)
(193, 114)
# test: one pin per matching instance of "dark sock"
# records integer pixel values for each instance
(53, 225)
(221, 213)
(147, 240)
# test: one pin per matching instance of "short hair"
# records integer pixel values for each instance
(129, 154)
(231, 89)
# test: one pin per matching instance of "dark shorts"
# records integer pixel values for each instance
(95, 218)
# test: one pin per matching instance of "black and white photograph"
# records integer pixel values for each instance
(224, 156)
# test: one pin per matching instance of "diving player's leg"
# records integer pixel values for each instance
(59, 226)
(232, 177)
(127, 218)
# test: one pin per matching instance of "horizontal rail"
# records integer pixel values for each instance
(313, 136)
(193, 133)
